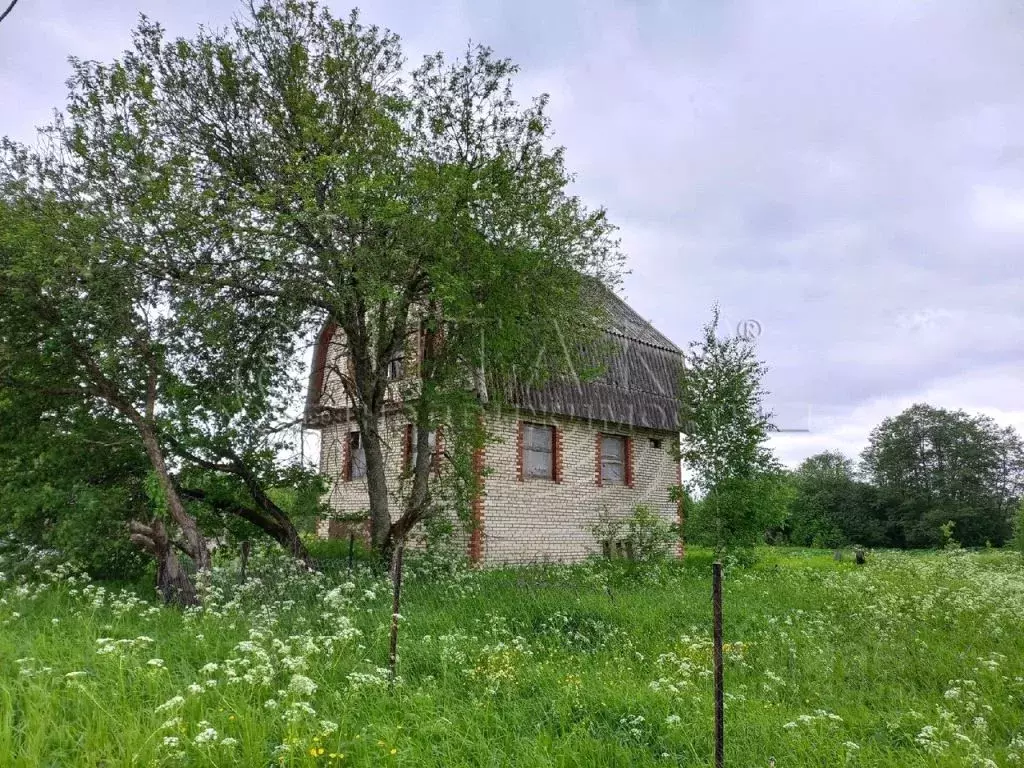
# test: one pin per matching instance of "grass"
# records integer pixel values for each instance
(911, 660)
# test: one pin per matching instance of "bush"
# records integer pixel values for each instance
(644, 536)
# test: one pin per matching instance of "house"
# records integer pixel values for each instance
(561, 454)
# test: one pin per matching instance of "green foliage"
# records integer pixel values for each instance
(70, 481)
(645, 535)
(650, 537)
(831, 508)
(724, 430)
(740, 512)
(948, 542)
(937, 466)
(352, 191)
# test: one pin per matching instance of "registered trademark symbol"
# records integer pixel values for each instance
(748, 329)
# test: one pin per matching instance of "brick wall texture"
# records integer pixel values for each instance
(524, 520)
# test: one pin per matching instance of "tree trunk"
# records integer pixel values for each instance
(172, 580)
(376, 485)
(278, 526)
(195, 542)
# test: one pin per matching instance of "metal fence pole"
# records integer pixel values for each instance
(716, 605)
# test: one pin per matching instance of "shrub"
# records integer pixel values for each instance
(644, 536)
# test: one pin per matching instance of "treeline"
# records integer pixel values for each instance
(929, 477)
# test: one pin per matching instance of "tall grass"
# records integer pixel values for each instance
(907, 661)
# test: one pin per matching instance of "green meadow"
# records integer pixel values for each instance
(909, 660)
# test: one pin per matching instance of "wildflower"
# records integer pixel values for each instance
(206, 736)
(301, 685)
(155, 662)
(227, 741)
(316, 751)
(195, 688)
(171, 741)
(672, 720)
(172, 703)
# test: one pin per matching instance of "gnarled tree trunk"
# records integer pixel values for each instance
(172, 580)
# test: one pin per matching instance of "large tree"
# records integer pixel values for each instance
(725, 427)
(300, 166)
(81, 325)
(832, 507)
(940, 466)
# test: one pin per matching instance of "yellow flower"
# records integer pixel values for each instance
(316, 751)
(393, 750)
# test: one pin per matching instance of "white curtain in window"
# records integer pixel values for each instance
(613, 459)
(538, 443)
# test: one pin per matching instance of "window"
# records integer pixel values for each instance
(356, 466)
(538, 451)
(431, 441)
(396, 367)
(613, 460)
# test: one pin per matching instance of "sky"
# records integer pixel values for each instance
(846, 179)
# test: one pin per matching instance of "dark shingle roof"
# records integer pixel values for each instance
(638, 385)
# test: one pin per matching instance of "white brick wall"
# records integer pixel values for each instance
(536, 520)
(529, 520)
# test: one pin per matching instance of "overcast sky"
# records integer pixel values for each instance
(849, 175)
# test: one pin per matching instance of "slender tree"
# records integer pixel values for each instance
(724, 432)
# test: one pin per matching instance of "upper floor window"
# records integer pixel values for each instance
(613, 460)
(396, 367)
(356, 457)
(538, 451)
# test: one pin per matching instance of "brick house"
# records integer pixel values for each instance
(558, 456)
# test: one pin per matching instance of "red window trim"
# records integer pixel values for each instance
(407, 448)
